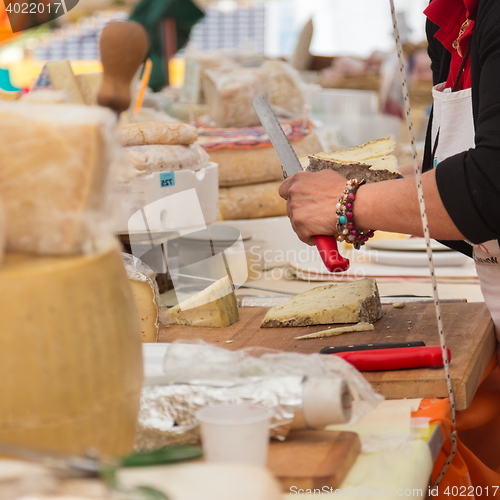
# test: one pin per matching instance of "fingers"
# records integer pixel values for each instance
(285, 187)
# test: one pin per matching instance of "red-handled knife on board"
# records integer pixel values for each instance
(395, 359)
(327, 245)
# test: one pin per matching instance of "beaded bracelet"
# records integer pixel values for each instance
(345, 224)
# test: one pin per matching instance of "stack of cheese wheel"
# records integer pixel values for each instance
(250, 171)
(70, 345)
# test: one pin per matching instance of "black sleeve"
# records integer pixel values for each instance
(469, 182)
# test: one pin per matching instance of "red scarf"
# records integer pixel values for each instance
(450, 15)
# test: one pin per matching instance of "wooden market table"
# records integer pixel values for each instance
(468, 326)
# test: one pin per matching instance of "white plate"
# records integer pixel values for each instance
(416, 259)
(406, 245)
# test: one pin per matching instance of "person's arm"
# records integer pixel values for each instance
(388, 206)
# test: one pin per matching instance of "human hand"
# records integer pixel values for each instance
(311, 202)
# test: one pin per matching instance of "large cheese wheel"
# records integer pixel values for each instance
(248, 166)
(70, 354)
(251, 202)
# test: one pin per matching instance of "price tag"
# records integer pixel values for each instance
(167, 179)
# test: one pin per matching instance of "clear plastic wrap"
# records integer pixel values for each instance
(148, 301)
(197, 375)
(229, 95)
(56, 163)
(160, 158)
(285, 88)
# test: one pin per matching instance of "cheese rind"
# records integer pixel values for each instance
(215, 306)
(352, 302)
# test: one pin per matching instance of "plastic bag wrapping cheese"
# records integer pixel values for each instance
(160, 158)
(55, 164)
(229, 95)
(285, 93)
(146, 295)
(162, 132)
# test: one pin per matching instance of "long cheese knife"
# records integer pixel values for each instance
(327, 245)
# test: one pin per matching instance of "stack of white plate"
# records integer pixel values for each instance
(412, 252)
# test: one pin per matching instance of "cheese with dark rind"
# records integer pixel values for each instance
(354, 170)
(352, 302)
(371, 161)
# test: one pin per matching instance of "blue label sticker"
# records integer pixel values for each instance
(167, 179)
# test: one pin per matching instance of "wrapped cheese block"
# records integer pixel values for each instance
(246, 156)
(161, 158)
(54, 170)
(147, 296)
(285, 95)
(229, 95)
(251, 202)
(70, 353)
(166, 133)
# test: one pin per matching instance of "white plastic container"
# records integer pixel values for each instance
(235, 433)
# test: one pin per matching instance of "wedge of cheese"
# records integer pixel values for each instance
(215, 306)
(62, 78)
(352, 302)
(371, 161)
(54, 164)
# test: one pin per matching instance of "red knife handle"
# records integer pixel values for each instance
(395, 359)
(327, 247)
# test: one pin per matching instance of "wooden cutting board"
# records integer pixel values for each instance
(313, 459)
(468, 328)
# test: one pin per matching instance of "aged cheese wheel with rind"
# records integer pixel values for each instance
(70, 354)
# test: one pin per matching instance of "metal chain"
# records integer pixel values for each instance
(425, 225)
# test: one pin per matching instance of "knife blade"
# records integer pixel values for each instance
(327, 245)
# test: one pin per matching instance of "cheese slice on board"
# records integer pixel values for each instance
(215, 306)
(54, 164)
(352, 302)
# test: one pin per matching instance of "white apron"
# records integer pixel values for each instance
(454, 121)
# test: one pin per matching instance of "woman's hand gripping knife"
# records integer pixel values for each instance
(388, 206)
